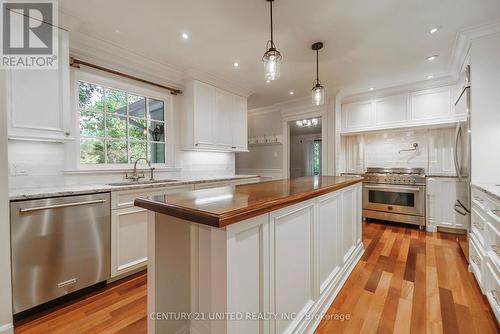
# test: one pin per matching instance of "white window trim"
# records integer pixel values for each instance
(131, 87)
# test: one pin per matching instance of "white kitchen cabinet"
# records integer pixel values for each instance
(223, 127)
(484, 245)
(391, 110)
(441, 197)
(357, 115)
(239, 121)
(38, 100)
(129, 229)
(213, 119)
(414, 109)
(431, 105)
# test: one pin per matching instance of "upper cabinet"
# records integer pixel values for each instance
(433, 104)
(213, 119)
(38, 100)
(422, 108)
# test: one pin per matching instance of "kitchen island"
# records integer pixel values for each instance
(258, 258)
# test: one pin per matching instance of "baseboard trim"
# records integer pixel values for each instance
(7, 329)
(431, 228)
(333, 289)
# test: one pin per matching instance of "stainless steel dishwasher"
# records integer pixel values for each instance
(59, 245)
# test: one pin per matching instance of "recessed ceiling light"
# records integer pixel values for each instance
(291, 92)
(268, 81)
(432, 57)
(235, 64)
(371, 88)
(117, 31)
(433, 30)
(185, 35)
(430, 76)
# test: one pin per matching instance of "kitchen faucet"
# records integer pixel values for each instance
(135, 176)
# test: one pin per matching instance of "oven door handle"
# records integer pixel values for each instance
(393, 188)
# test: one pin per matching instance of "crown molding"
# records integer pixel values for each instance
(263, 110)
(462, 44)
(218, 81)
(400, 89)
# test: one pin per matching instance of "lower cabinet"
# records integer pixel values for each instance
(129, 225)
(484, 245)
(441, 197)
(129, 230)
(294, 261)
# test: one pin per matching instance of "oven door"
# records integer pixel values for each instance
(403, 199)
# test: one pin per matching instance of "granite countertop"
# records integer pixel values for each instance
(37, 193)
(489, 188)
(223, 206)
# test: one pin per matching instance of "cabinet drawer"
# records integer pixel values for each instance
(477, 259)
(478, 224)
(492, 287)
(126, 198)
(479, 199)
(493, 243)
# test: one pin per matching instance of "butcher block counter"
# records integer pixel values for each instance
(268, 257)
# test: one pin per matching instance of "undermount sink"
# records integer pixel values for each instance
(132, 183)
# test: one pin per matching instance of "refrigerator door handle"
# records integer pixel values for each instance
(457, 165)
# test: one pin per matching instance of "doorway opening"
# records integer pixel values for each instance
(305, 147)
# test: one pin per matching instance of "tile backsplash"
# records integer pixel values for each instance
(434, 152)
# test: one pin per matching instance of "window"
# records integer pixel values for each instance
(118, 127)
(317, 157)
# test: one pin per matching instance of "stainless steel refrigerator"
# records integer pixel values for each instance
(462, 160)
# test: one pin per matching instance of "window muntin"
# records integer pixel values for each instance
(118, 127)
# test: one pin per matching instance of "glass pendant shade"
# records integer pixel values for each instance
(318, 95)
(272, 62)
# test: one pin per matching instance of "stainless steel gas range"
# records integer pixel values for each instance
(395, 194)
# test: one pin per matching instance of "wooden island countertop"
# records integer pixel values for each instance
(223, 206)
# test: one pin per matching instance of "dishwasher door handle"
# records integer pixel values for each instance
(64, 205)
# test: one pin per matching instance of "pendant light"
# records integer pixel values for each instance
(318, 91)
(272, 57)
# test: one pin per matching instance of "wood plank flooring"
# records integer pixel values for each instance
(408, 281)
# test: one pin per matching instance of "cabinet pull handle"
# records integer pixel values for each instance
(477, 225)
(494, 248)
(494, 293)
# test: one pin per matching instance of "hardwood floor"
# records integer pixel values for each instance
(408, 281)
(119, 308)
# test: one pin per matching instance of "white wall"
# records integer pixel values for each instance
(5, 283)
(265, 160)
(485, 109)
(435, 151)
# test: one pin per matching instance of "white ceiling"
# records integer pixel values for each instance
(377, 44)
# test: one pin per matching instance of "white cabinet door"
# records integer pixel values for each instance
(129, 235)
(441, 197)
(204, 114)
(357, 115)
(224, 126)
(239, 124)
(330, 257)
(129, 230)
(39, 99)
(350, 216)
(432, 104)
(391, 110)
